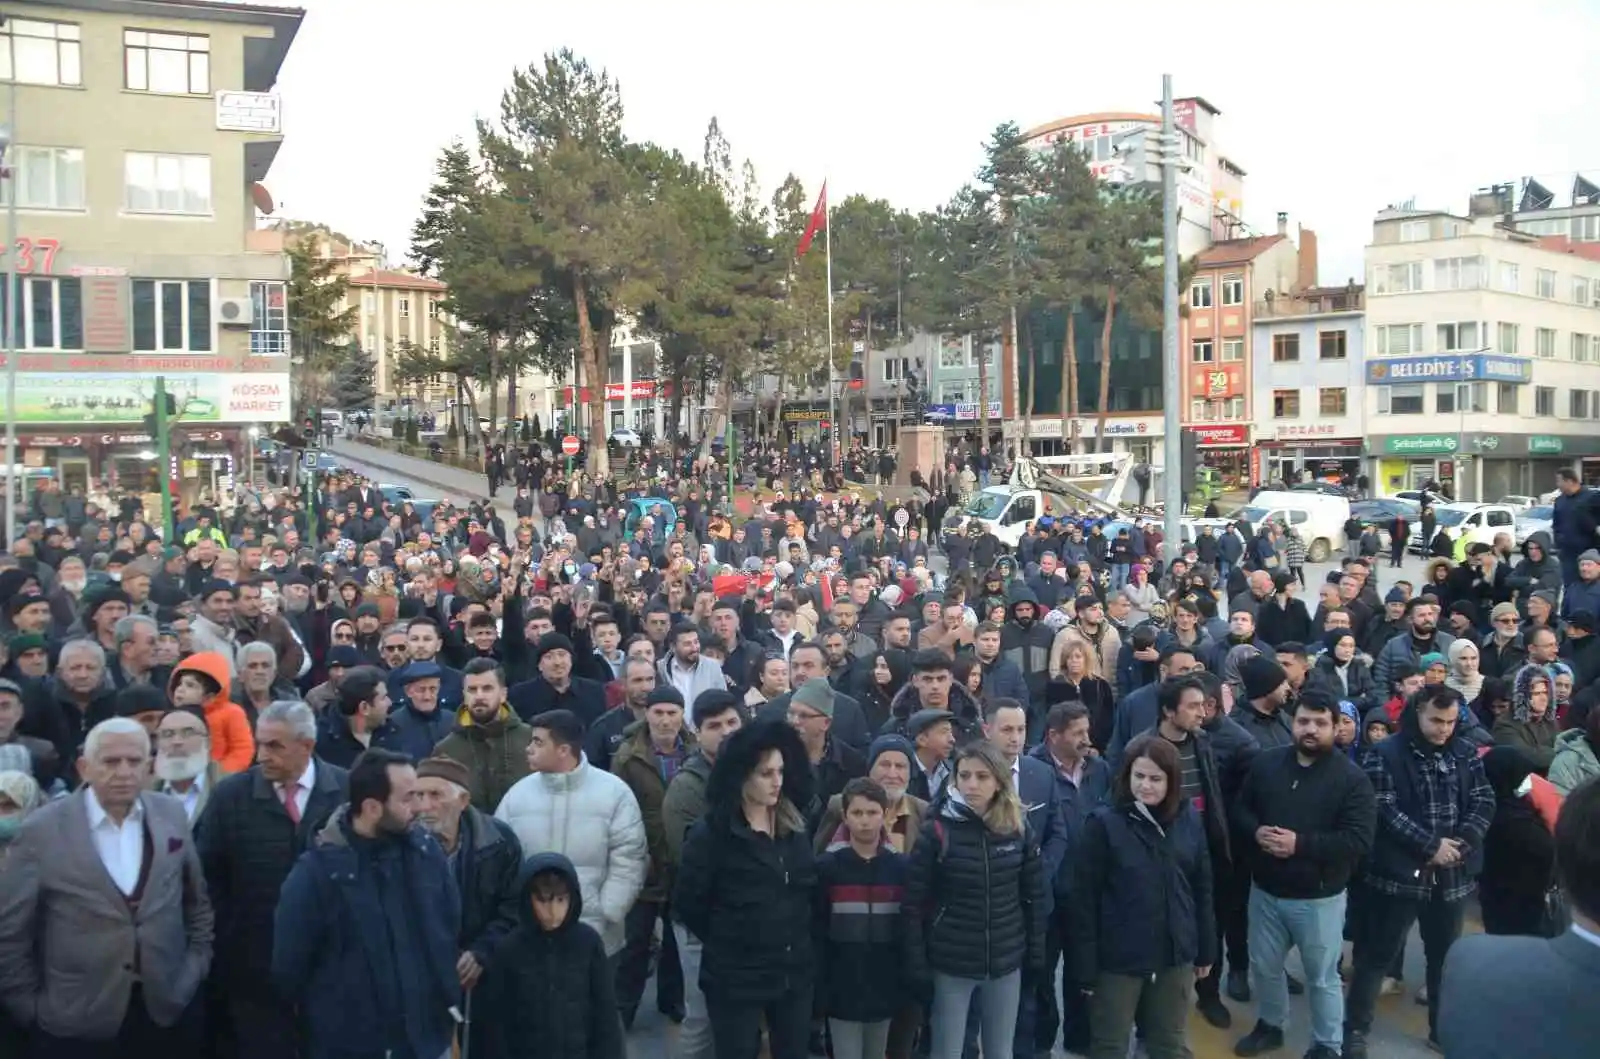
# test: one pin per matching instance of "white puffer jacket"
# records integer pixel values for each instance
(592, 818)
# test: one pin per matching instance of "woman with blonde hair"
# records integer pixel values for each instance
(1081, 681)
(975, 905)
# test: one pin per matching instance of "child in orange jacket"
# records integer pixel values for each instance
(202, 680)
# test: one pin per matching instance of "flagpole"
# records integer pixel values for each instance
(833, 391)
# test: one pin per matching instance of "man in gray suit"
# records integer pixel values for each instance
(105, 929)
(1510, 997)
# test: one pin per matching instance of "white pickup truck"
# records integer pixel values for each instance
(1479, 523)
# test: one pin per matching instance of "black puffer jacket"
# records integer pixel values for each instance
(975, 904)
(749, 897)
(1140, 896)
(548, 994)
(487, 864)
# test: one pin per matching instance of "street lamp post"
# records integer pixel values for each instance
(7, 138)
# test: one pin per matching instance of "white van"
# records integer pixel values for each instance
(1318, 518)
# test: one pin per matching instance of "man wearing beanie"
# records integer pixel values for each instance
(833, 761)
(485, 858)
(1584, 594)
(1503, 651)
(555, 688)
(653, 751)
(1266, 692)
(212, 629)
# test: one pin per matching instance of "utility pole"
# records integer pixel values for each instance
(164, 460)
(11, 317)
(1172, 446)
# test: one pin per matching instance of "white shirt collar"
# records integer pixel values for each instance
(307, 780)
(99, 818)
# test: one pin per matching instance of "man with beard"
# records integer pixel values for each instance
(484, 856)
(490, 739)
(1422, 636)
(1434, 808)
(372, 883)
(1306, 817)
(1027, 643)
(184, 768)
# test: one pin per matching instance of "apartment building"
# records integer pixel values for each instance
(144, 133)
(1482, 352)
(1307, 383)
(1217, 332)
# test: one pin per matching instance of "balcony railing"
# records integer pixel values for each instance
(1340, 301)
(269, 343)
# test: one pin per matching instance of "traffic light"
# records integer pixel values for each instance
(171, 414)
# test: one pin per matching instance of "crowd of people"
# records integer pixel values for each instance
(369, 784)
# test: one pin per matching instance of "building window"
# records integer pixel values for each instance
(49, 312)
(1444, 399)
(368, 342)
(1285, 349)
(1333, 400)
(1458, 337)
(168, 183)
(1544, 342)
(1286, 404)
(433, 308)
(1544, 283)
(1406, 400)
(1506, 338)
(433, 346)
(1233, 290)
(1580, 346)
(893, 368)
(1506, 398)
(1544, 400)
(171, 316)
(1232, 350)
(1457, 273)
(41, 53)
(1472, 397)
(45, 178)
(1200, 294)
(1580, 290)
(171, 63)
(1399, 279)
(405, 308)
(368, 303)
(1331, 345)
(1202, 351)
(269, 319)
(1233, 408)
(1510, 278)
(1578, 404)
(1399, 339)
(1413, 231)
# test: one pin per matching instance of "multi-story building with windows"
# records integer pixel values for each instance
(1482, 352)
(143, 134)
(1307, 383)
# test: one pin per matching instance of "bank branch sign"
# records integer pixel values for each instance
(1420, 445)
(1474, 367)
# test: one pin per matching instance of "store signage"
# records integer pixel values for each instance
(1222, 436)
(1476, 367)
(1545, 445)
(1212, 383)
(803, 415)
(108, 398)
(1115, 428)
(963, 412)
(1308, 430)
(1486, 442)
(44, 440)
(638, 389)
(37, 257)
(1420, 444)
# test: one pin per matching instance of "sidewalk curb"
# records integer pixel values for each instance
(375, 466)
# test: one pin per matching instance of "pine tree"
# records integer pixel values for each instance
(354, 381)
(319, 322)
(456, 185)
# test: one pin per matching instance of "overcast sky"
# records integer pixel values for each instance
(1333, 112)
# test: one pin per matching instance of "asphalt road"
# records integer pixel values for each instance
(1401, 1029)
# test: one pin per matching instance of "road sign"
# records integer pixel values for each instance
(309, 459)
(569, 445)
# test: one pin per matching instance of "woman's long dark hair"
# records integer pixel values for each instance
(1165, 755)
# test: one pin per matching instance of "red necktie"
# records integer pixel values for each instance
(290, 804)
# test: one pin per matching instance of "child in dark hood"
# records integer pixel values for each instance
(1375, 727)
(1346, 729)
(548, 991)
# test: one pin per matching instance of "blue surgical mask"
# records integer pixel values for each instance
(9, 826)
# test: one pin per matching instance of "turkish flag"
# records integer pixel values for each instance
(819, 220)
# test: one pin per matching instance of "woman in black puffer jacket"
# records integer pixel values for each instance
(746, 888)
(1140, 925)
(976, 908)
(1343, 673)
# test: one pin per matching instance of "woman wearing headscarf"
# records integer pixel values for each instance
(1342, 672)
(878, 683)
(1465, 676)
(1531, 724)
(1518, 852)
(1494, 698)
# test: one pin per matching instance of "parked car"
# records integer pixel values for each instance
(1381, 510)
(626, 437)
(1518, 503)
(1421, 496)
(1535, 519)
(1325, 488)
(1478, 522)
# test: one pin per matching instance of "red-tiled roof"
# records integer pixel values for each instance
(1237, 251)
(1562, 244)
(390, 278)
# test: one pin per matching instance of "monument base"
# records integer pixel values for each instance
(921, 448)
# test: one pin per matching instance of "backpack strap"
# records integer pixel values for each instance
(942, 838)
